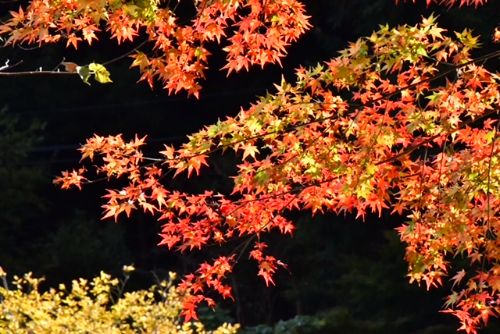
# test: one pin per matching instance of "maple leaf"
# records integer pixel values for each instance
(458, 277)
(195, 163)
(89, 33)
(71, 179)
(73, 41)
(189, 310)
(159, 194)
(266, 270)
(148, 207)
(249, 150)
(169, 240)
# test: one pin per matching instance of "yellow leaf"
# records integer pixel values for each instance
(100, 72)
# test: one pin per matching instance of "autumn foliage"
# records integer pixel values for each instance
(404, 120)
(455, 2)
(257, 31)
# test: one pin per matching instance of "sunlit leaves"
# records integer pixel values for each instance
(209, 276)
(257, 31)
(385, 126)
(99, 72)
(460, 3)
(96, 306)
(263, 34)
(70, 179)
(267, 264)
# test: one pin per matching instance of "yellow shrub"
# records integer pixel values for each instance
(94, 307)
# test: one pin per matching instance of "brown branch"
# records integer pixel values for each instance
(34, 73)
(125, 54)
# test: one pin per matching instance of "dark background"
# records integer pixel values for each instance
(344, 276)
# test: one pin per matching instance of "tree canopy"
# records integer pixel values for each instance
(404, 120)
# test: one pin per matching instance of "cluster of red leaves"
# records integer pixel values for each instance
(209, 276)
(267, 264)
(369, 130)
(258, 31)
(451, 3)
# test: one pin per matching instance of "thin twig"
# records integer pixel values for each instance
(35, 73)
(126, 53)
(7, 66)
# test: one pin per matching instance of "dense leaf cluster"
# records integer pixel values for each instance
(367, 131)
(96, 306)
